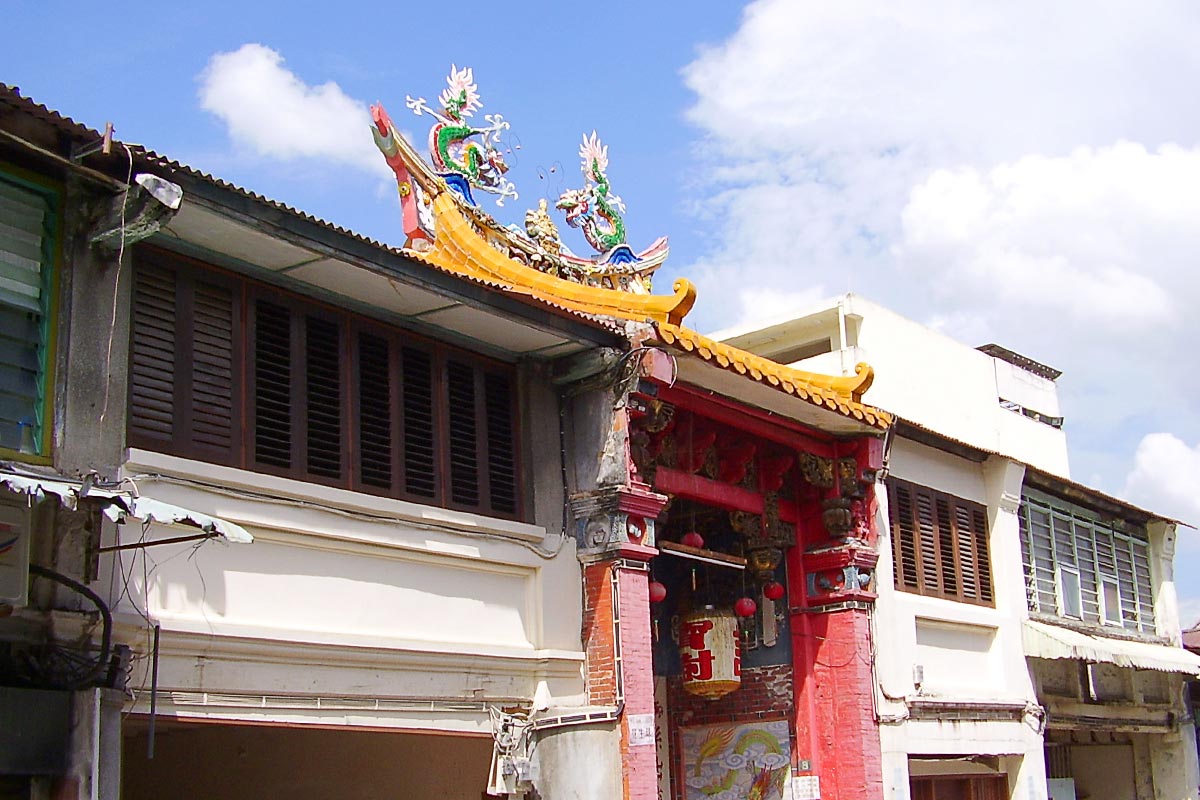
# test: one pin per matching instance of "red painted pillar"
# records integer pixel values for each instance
(833, 578)
(619, 659)
(834, 708)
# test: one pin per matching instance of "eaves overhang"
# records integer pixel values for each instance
(831, 403)
(1035, 478)
(468, 308)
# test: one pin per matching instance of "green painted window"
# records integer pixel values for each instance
(28, 244)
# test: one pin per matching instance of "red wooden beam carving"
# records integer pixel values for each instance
(714, 493)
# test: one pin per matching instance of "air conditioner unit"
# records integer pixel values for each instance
(14, 555)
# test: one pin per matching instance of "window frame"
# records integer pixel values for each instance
(54, 193)
(352, 327)
(938, 573)
(1061, 584)
(1109, 551)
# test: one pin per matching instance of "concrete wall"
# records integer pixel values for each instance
(925, 377)
(969, 654)
(1104, 771)
(346, 596)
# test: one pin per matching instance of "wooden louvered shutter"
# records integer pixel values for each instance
(463, 430)
(27, 231)
(212, 418)
(904, 537)
(940, 545)
(420, 437)
(323, 397)
(947, 546)
(152, 363)
(501, 446)
(183, 377)
(272, 384)
(377, 457)
(927, 550)
(983, 560)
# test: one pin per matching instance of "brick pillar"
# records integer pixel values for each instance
(616, 634)
(615, 533)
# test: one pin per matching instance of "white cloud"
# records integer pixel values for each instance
(1025, 172)
(1101, 241)
(818, 121)
(1165, 478)
(273, 113)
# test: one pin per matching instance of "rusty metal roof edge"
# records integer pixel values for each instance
(1042, 479)
(12, 96)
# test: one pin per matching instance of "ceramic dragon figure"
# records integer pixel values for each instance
(461, 160)
(592, 208)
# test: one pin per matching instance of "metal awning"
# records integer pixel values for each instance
(1043, 640)
(120, 505)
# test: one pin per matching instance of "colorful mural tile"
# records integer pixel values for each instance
(749, 761)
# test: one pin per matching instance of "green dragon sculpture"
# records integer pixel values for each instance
(593, 209)
(465, 163)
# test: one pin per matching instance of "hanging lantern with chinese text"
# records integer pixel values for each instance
(709, 653)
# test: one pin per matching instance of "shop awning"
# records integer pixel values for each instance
(1043, 640)
(119, 505)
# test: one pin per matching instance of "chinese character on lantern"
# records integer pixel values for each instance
(709, 653)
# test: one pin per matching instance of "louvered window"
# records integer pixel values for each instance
(183, 375)
(939, 544)
(28, 244)
(1079, 566)
(329, 397)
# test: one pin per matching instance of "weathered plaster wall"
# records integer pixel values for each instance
(92, 382)
(967, 653)
(344, 595)
(925, 377)
(580, 763)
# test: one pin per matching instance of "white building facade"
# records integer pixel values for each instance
(1026, 631)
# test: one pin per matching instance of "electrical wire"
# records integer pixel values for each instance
(112, 328)
(101, 663)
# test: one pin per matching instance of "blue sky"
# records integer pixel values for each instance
(1025, 173)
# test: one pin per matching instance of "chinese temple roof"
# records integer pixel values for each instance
(840, 394)
(445, 227)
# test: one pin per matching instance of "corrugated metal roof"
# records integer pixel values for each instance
(1040, 479)
(11, 96)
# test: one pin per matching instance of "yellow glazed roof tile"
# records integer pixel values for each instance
(840, 394)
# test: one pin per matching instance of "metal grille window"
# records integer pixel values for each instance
(1080, 567)
(225, 370)
(28, 245)
(939, 544)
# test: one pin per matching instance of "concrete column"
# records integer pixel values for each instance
(1173, 764)
(1027, 775)
(1162, 575)
(94, 762)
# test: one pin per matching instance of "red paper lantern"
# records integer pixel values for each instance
(773, 590)
(745, 607)
(692, 539)
(658, 592)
